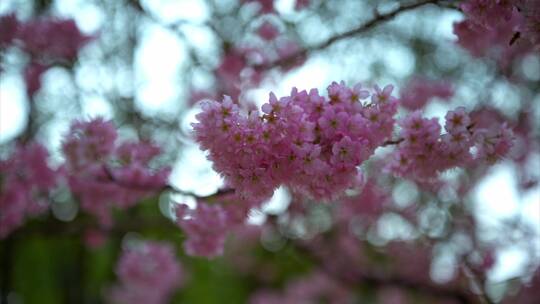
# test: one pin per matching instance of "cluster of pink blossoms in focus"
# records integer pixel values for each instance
(47, 41)
(308, 142)
(424, 152)
(314, 146)
(25, 183)
(148, 273)
(103, 173)
(500, 29)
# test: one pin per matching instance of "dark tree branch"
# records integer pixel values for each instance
(392, 142)
(376, 20)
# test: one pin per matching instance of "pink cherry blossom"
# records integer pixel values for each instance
(9, 26)
(52, 39)
(488, 13)
(103, 173)
(531, 24)
(305, 141)
(268, 31)
(32, 77)
(148, 272)
(26, 180)
(493, 29)
(424, 152)
(382, 95)
(205, 228)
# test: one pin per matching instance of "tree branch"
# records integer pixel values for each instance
(376, 20)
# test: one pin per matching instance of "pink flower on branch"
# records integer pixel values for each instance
(531, 24)
(488, 13)
(32, 77)
(268, 31)
(424, 152)
(148, 273)
(9, 26)
(305, 141)
(314, 144)
(499, 29)
(205, 228)
(103, 173)
(52, 39)
(25, 183)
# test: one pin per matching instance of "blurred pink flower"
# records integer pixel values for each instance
(268, 31)
(148, 273)
(9, 26)
(52, 39)
(32, 77)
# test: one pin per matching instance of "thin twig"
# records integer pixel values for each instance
(376, 20)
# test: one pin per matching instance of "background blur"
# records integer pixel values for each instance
(151, 61)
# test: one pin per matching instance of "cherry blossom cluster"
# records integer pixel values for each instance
(47, 41)
(499, 29)
(51, 39)
(8, 29)
(364, 208)
(419, 91)
(531, 25)
(424, 152)
(205, 227)
(308, 142)
(268, 31)
(148, 273)
(103, 173)
(492, 14)
(26, 181)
